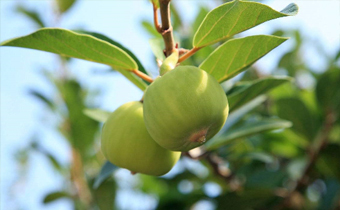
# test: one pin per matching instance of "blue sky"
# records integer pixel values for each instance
(22, 116)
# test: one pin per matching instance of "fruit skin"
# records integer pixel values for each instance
(184, 108)
(126, 143)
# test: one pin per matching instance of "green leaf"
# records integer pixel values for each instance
(243, 92)
(107, 39)
(247, 130)
(235, 55)
(330, 199)
(32, 15)
(42, 98)
(234, 17)
(64, 5)
(294, 110)
(55, 196)
(97, 114)
(105, 195)
(150, 28)
(155, 2)
(328, 90)
(157, 46)
(105, 172)
(71, 44)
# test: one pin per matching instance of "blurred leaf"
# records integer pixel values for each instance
(97, 114)
(32, 15)
(175, 17)
(235, 116)
(105, 172)
(294, 110)
(248, 199)
(265, 179)
(328, 90)
(246, 130)
(245, 91)
(296, 168)
(234, 17)
(260, 156)
(150, 28)
(157, 46)
(55, 196)
(71, 44)
(330, 199)
(81, 128)
(328, 161)
(42, 98)
(235, 55)
(64, 5)
(105, 195)
(155, 2)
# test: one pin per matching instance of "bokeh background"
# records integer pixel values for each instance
(29, 138)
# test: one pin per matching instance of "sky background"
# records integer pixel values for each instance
(23, 117)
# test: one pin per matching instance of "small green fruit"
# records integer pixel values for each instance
(127, 144)
(184, 108)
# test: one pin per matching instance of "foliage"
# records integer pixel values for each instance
(255, 162)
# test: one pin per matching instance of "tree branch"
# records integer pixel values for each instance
(155, 18)
(188, 54)
(167, 32)
(304, 181)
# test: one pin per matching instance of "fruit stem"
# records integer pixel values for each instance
(142, 75)
(188, 54)
(166, 29)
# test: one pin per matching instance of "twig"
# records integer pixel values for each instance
(303, 182)
(188, 54)
(155, 18)
(77, 175)
(142, 75)
(167, 32)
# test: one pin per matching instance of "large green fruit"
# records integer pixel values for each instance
(127, 144)
(184, 108)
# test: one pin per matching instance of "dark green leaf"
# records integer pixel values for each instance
(235, 55)
(55, 196)
(245, 91)
(247, 199)
(234, 17)
(71, 44)
(97, 114)
(247, 130)
(32, 15)
(330, 199)
(64, 5)
(105, 195)
(294, 110)
(105, 172)
(328, 91)
(42, 98)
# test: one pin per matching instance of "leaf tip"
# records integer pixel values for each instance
(291, 9)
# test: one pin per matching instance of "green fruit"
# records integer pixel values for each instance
(184, 108)
(127, 144)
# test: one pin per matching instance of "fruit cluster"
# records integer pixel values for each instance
(181, 110)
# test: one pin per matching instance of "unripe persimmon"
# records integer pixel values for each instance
(127, 144)
(184, 108)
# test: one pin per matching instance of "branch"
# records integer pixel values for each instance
(77, 176)
(303, 182)
(166, 29)
(142, 75)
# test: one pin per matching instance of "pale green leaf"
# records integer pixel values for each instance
(247, 91)
(97, 114)
(32, 15)
(234, 17)
(235, 55)
(245, 130)
(71, 44)
(157, 46)
(55, 196)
